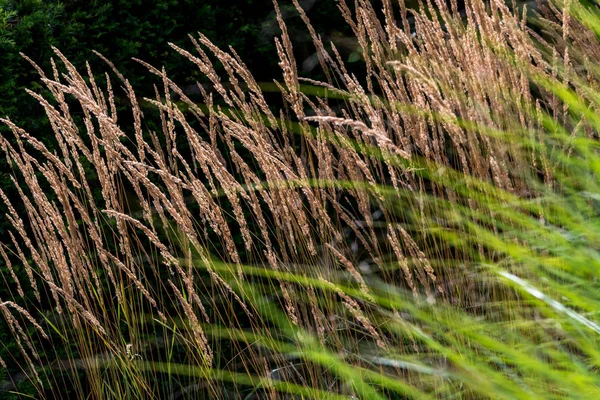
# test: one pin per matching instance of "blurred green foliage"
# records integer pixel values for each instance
(122, 29)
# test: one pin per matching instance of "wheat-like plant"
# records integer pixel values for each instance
(426, 229)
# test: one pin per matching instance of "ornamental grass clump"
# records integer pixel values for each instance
(425, 229)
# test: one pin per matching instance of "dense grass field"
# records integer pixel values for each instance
(427, 228)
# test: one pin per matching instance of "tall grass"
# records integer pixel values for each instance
(426, 230)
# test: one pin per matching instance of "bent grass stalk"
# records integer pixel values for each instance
(413, 232)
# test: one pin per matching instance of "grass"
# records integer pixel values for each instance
(426, 230)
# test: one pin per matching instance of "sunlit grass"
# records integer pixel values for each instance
(415, 233)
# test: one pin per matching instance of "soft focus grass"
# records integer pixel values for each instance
(404, 270)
